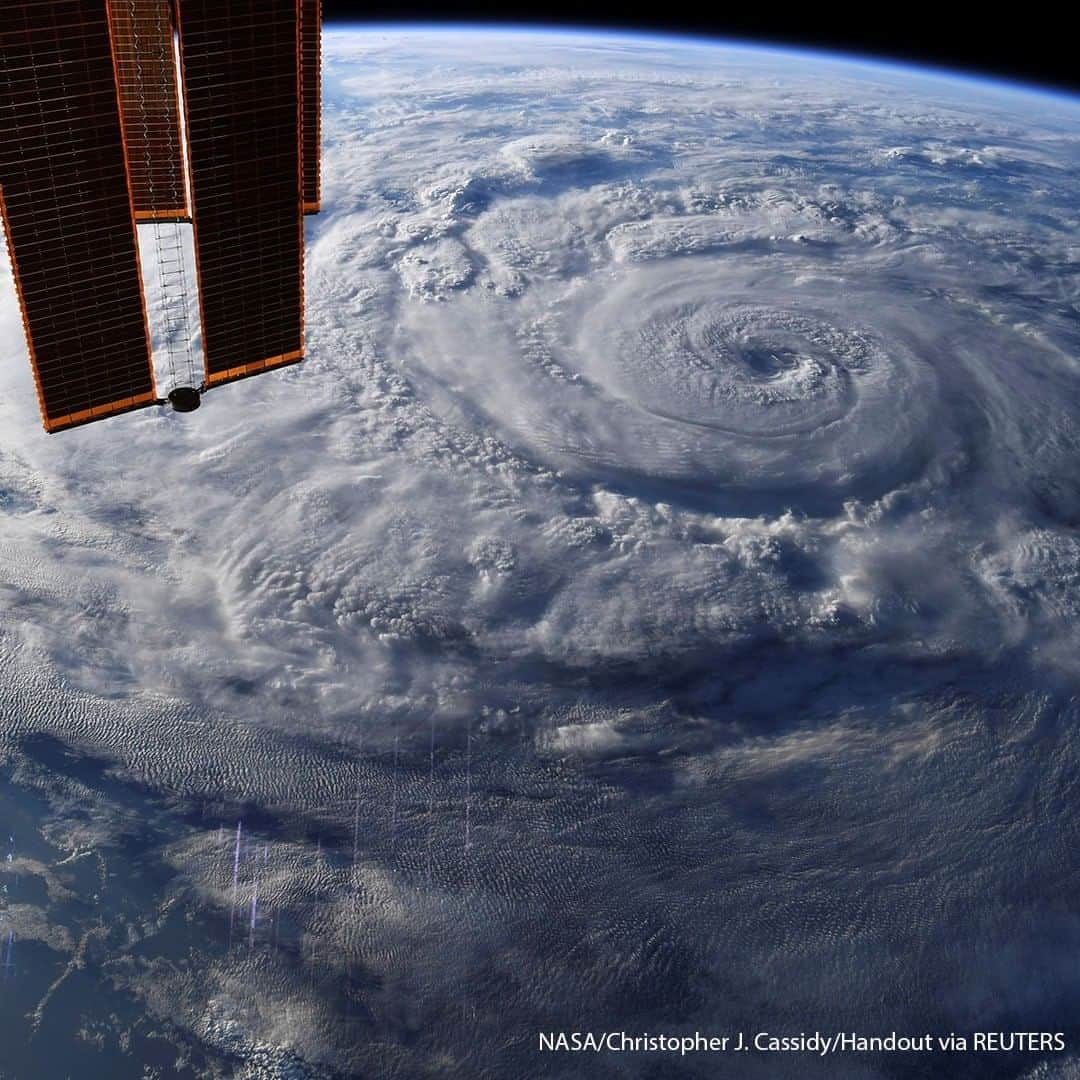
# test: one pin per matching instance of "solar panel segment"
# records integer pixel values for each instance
(311, 92)
(67, 212)
(142, 36)
(241, 90)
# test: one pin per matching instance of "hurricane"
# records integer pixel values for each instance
(650, 607)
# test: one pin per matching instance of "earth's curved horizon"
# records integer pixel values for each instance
(977, 78)
(653, 606)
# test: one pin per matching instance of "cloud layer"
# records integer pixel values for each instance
(652, 604)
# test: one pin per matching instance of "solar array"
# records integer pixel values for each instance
(118, 111)
(67, 212)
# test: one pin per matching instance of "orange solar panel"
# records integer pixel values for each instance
(241, 90)
(311, 94)
(67, 212)
(142, 36)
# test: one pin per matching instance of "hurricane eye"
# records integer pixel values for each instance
(766, 362)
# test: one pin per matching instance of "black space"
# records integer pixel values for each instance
(1013, 43)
